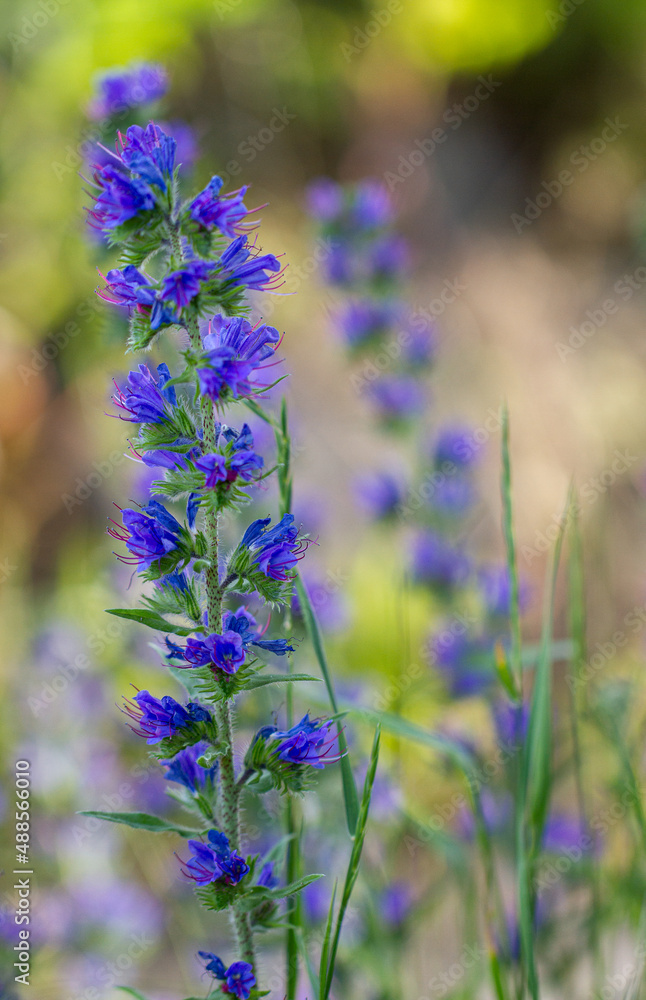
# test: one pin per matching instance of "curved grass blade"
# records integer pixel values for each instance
(350, 797)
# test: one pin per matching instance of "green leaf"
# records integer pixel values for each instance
(133, 993)
(353, 869)
(410, 731)
(151, 619)
(350, 797)
(510, 546)
(142, 821)
(261, 680)
(260, 893)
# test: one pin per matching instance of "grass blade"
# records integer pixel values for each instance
(510, 547)
(350, 797)
(353, 868)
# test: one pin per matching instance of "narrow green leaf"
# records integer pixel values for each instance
(353, 864)
(510, 548)
(410, 731)
(142, 821)
(151, 619)
(260, 893)
(133, 993)
(327, 939)
(350, 797)
(261, 680)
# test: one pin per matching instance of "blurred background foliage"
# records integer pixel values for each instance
(359, 100)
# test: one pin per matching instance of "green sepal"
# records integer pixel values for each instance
(183, 738)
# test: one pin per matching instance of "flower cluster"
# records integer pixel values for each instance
(367, 263)
(122, 89)
(188, 264)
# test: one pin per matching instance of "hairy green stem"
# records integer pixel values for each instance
(229, 804)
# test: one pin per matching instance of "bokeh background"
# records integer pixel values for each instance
(546, 311)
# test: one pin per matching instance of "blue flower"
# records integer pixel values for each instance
(398, 397)
(240, 266)
(213, 964)
(325, 199)
(149, 534)
(308, 742)
(420, 345)
(372, 206)
(454, 444)
(158, 719)
(214, 862)
(564, 834)
(126, 182)
(511, 721)
(276, 550)
(144, 400)
(379, 494)
(395, 903)
(120, 89)
(214, 467)
(453, 496)
(465, 662)
(240, 980)
(131, 288)
(224, 652)
(436, 562)
(244, 624)
(389, 257)
(267, 876)
(363, 320)
(180, 287)
(495, 586)
(150, 154)
(226, 213)
(233, 351)
(122, 198)
(185, 770)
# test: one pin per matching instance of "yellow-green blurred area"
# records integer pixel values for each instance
(471, 111)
